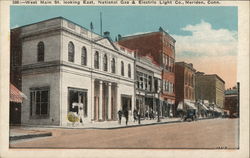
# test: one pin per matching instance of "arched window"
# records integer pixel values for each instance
(84, 56)
(113, 65)
(129, 70)
(96, 58)
(71, 52)
(105, 63)
(40, 51)
(122, 68)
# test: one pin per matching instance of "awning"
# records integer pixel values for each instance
(204, 106)
(16, 95)
(190, 105)
(218, 110)
(180, 106)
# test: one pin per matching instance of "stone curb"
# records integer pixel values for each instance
(27, 136)
(137, 125)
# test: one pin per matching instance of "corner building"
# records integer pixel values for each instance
(64, 65)
(161, 46)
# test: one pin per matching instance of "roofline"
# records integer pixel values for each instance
(143, 34)
(58, 17)
(215, 76)
(186, 64)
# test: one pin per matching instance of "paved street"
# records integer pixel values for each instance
(213, 133)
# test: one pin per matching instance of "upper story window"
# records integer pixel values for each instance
(71, 52)
(156, 85)
(40, 51)
(113, 65)
(129, 70)
(105, 63)
(96, 58)
(122, 68)
(84, 56)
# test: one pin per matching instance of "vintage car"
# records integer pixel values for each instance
(190, 115)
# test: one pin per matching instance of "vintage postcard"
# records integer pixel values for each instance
(85, 78)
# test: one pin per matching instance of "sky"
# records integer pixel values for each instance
(205, 36)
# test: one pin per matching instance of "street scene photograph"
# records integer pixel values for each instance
(124, 77)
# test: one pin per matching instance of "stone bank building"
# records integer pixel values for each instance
(64, 64)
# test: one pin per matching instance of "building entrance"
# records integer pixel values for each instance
(126, 101)
(77, 97)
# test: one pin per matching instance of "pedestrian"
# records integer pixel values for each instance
(135, 114)
(120, 116)
(80, 113)
(126, 115)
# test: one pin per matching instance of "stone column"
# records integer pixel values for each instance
(100, 100)
(118, 97)
(92, 99)
(109, 101)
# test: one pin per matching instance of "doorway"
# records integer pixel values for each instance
(77, 96)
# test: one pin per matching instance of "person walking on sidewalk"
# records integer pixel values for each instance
(126, 115)
(81, 113)
(120, 116)
(135, 114)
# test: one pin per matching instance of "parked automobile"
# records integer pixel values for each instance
(190, 115)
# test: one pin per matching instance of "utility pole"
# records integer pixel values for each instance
(101, 23)
(158, 110)
(91, 71)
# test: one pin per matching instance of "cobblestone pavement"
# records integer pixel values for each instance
(212, 133)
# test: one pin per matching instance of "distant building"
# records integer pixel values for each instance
(232, 101)
(161, 46)
(211, 88)
(185, 85)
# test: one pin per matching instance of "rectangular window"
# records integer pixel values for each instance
(156, 85)
(39, 101)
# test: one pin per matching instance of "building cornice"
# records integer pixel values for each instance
(56, 65)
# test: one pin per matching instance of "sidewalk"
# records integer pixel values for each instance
(116, 125)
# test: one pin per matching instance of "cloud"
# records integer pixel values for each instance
(206, 41)
(213, 51)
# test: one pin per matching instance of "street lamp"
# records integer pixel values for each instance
(158, 109)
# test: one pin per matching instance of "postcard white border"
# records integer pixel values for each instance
(243, 78)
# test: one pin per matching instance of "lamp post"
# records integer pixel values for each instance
(158, 109)
(139, 112)
(139, 115)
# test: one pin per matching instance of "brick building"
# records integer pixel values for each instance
(16, 58)
(161, 46)
(232, 101)
(211, 88)
(185, 85)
